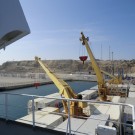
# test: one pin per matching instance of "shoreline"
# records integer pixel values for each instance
(12, 83)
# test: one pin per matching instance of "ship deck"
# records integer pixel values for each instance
(16, 128)
(103, 109)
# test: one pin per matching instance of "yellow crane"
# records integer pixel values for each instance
(114, 80)
(102, 88)
(76, 108)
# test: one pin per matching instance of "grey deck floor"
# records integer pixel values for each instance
(14, 128)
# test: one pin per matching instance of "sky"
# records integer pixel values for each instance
(56, 25)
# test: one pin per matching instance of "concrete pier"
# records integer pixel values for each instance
(9, 82)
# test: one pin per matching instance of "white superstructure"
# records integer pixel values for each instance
(13, 24)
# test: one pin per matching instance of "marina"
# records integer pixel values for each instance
(105, 106)
(89, 94)
(102, 109)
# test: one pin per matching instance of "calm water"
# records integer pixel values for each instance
(17, 104)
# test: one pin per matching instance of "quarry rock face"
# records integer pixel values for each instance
(68, 66)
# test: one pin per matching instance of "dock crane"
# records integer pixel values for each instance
(114, 80)
(76, 108)
(102, 88)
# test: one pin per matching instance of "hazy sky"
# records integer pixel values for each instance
(56, 25)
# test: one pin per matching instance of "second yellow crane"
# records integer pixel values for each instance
(102, 88)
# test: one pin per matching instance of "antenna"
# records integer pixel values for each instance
(101, 51)
(109, 53)
(112, 65)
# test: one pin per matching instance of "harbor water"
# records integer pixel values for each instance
(17, 105)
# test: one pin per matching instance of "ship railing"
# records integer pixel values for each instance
(6, 107)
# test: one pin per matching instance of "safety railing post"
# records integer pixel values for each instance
(6, 106)
(69, 122)
(33, 112)
(120, 119)
(133, 117)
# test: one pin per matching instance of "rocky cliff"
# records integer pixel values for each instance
(67, 66)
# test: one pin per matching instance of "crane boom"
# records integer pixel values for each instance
(76, 108)
(63, 87)
(114, 80)
(106, 73)
(100, 80)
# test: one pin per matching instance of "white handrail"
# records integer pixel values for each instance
(68, 101)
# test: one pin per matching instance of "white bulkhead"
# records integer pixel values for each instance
(13, 24)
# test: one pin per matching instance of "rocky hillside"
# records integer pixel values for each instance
(66, 66)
